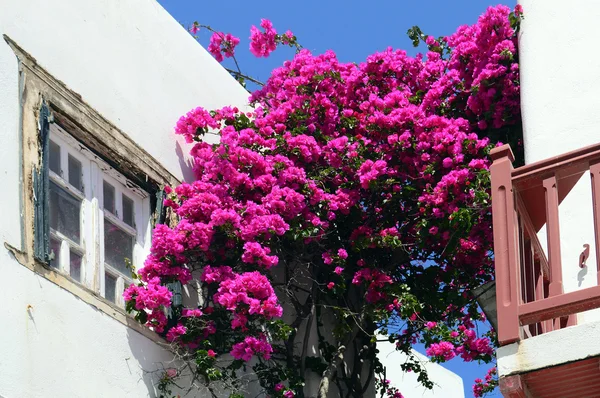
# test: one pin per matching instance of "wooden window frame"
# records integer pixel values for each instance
(95, 172)
(44, 101)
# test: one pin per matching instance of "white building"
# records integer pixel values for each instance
(115, 76)
(542, 356)
(446, 383)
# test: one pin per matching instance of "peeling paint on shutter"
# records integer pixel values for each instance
(40, 189)
(174, 311)
(160, 210)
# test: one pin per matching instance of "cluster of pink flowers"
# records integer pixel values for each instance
(176, 332)
(367, 172)
(389, 390)
(481, 387)
(464, 343)
(443, 350)
(249, 293)
(251, 346)
(263, 43)
(222, 45)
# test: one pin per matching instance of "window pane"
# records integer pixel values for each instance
(55, 249)
(65, 211)
(127, 211)
(110, 287)
(75, 266)
(118, 245)
(75, 173)
(109, 197)
(54, 157)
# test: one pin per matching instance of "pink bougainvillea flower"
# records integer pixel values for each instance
(370, 179)
(222, 45)
(262, 44)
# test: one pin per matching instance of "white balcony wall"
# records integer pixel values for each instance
(559, 100)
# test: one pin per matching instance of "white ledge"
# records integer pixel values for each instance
(550, 349)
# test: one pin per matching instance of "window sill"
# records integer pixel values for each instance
(83, 293)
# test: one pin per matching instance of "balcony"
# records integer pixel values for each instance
(545, 349)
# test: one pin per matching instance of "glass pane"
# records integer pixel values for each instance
(75, 265)
(54, 157)
(110, 287)
(55, 249)
(109, 197)
(75, 173)
(118, 245)
(65, 211)
(127, 211)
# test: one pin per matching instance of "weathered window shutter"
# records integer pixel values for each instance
(160, 211)
(174, 311)
(40, 189)
(177, 299)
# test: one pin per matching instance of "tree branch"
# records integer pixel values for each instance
(237, 74)
(309, 322)
(338, 357)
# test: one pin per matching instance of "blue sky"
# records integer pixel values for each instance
(353, 29)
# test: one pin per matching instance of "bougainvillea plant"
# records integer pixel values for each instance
(347, 204)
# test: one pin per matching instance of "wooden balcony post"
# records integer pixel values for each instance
(553, 236)
(508, 275)
(554, 253)
(595, 176)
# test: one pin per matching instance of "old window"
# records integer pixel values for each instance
(91, 195)
(98, 219)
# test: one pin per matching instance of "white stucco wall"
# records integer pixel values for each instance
(560, 102)
(447, 383)
(137, 67)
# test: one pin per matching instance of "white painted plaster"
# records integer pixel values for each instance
(447, 383)
(9, 149)
(55, 345)
(560, 102)
(140, 69)
(559, 76)
(561, 346)
(130, 60)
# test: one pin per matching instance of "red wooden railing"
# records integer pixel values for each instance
(529, 286)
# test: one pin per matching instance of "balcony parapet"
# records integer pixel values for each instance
(529, 281)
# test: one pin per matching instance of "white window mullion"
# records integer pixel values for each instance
(118, 202)
(144, 231)
(101, 267)
(65, 256)
(119, 291)
(100, 230)
(64, 161)
(93, 249)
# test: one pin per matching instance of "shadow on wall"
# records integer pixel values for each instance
(185, 161)
(151, 360)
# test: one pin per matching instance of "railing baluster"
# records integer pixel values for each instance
(550, 185)
(549, 324)
(539, 289)
(522, 260)
(508, 276)
(528, 282)
(553, 235)
(529, 272)
(595, 177)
